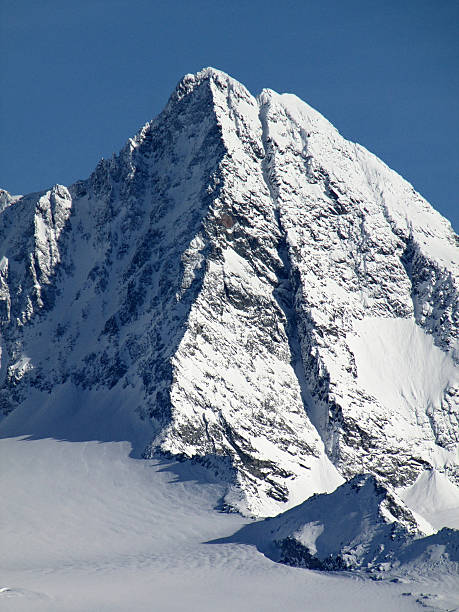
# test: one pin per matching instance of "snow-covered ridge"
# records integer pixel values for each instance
(360, 526)
(237, 278)
(6, 199)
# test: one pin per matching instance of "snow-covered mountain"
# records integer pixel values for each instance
(248, 287)
(360, 526)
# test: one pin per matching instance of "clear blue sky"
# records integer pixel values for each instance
(79, 77)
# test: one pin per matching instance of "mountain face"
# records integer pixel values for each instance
(257, 292)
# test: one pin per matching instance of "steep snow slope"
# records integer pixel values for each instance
(434, 497)
(236, 279)
(363, 246)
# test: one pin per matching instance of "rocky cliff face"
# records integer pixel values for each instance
(268, 297)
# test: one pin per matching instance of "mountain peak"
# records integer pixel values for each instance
(254, 291)
(207, 73)
(191, 81)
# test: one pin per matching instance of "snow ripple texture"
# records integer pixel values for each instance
(267, 297)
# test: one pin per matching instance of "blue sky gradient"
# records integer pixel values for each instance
(79, 78)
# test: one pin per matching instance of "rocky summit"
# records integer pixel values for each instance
(253, 291)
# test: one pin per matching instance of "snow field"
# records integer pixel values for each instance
(85, 527)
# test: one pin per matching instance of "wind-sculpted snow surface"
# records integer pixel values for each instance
(267, 297)
(84, 527)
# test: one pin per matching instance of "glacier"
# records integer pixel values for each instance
(85, 527)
